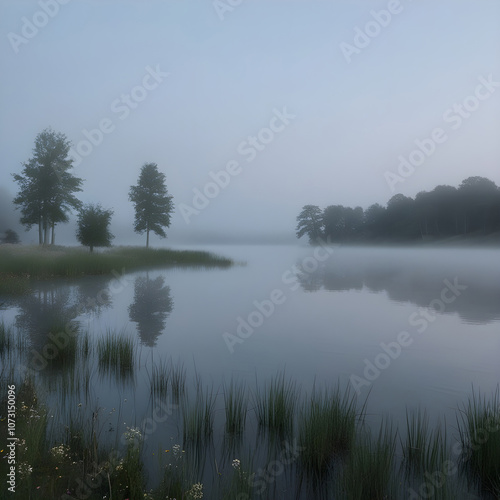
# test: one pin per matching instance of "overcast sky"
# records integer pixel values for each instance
(334, 93)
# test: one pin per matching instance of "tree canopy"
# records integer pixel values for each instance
(310, 222)
(93, 226)
(446, 211)
(152, 203)
(46, 185)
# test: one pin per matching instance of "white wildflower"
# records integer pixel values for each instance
(60, 452)
(133, 436)
(195, 492)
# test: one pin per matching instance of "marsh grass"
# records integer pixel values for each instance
(45, 262)
(334, 453)
(198, 416)
(31, 431)
(424, 450)
(275, 405)
(115, 353)
(63, 344)
(85, 346)
(369, 468)
(240, 484)
(75, 384)
(178, 381)
(6, 340)
(235, 403)
(160, 378)
(13, 284)
(178, 476)
(327, 427)
(479, 431)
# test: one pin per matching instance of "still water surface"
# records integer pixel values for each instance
(328, 322)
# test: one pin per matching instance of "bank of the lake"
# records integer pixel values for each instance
(19, 264)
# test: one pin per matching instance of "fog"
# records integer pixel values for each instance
(251, 110)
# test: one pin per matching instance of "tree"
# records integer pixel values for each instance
(46, 185)
(93, 226)
(478, 198)
(334, 222)
(353, 222)
(374, 221)
(11, 237)
(401, 218)
(153, 205)
(151, 307)
(310, 222)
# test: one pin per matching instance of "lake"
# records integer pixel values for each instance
(403, 327)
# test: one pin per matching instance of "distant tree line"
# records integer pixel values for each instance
(46, 197)
(446, 211)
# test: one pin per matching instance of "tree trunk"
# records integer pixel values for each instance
(46, 229)
(91, 248)
(147, 238)
(40, 233)
(53, 238)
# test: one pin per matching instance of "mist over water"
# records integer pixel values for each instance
(330, 317)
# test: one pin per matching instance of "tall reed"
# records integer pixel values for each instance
(479, 431)
(235, 403)
(161, 373)
(275, 405)
(116, 354)
(424, 450)
(369, 470)
(178, 380)
(198, 416)
(6, 339)
(326, 428)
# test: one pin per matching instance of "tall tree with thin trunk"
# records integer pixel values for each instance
(153, 205)
(46, 185)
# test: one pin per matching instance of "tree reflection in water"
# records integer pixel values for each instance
(151, 307)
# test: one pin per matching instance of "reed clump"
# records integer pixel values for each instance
(115, 353)
(327, 428)
(275, 405)
(479, 431)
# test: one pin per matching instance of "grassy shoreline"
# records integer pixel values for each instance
(18, 264)
(233, 440)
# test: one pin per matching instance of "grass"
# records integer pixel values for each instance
(327, 428)
(479, 430)
(61, 346)
(275, 405)
(198, 417)
(368, 472)
(85, 347)
(13, 284)
(178, 381)
(6, 339)
(16, 267)
(160, 378)
(116, 354)
(325, 449)
(235, 406)
(424, 450)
